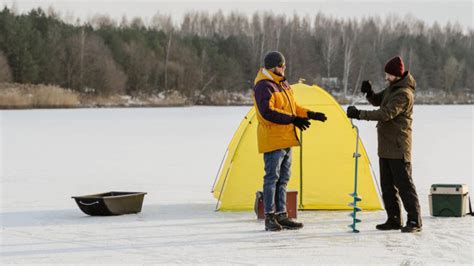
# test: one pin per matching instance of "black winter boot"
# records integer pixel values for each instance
(271, 223)
(411, 227)
(390, 224)
(288, 223)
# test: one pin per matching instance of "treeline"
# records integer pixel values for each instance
(207, 53)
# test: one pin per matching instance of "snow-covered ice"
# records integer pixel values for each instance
(47, 156)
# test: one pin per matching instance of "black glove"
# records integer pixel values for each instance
(317, 116)
(366, 87)
(301, 123)
(353, 112)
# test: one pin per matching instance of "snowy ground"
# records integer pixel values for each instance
(47, 156)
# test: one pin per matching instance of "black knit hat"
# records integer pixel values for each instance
(274, 59)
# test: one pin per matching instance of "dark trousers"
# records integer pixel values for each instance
(396, 183)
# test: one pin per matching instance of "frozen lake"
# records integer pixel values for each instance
(47, 156)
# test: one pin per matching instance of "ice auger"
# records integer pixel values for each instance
(354, 195)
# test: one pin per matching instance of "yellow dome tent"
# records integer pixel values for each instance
(322, 170)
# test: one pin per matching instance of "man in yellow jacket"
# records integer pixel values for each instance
(279, 119)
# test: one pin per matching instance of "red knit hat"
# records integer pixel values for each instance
(395, 66)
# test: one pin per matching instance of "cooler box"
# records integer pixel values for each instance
(448, 200)
(291, 204)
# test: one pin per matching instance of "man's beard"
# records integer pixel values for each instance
(390, 83)
(279, 74)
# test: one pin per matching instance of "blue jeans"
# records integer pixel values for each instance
(277, 175)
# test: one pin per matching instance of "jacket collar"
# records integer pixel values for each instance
(407, 81)
(265, 74)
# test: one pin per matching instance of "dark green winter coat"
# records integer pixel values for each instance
(395, 116)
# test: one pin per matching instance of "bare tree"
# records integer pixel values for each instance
(124, 22)
(102, 21)
(280, 24)
(451, 73)
(102, 73)
(258, 38)
(140, 61)
(81, 57)
(99, 72)
(114, 78)
(165, 24)
(187, 24)
(137, 23)
(295, 28)
(329, 51)
(5, 71)
(348, 38)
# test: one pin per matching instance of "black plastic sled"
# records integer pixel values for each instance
(111, 203)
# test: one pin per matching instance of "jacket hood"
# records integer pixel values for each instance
(265, 74)
(407, 81)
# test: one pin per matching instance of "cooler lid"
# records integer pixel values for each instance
(449, 189)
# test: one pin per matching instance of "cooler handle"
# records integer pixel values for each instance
(470, 207)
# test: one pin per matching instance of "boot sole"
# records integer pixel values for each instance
(276, 230)
(387, 229)
(292, 228)
(412, 231)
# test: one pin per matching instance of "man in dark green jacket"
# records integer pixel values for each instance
(394, 130)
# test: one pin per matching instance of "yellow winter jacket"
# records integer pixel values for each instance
(276, 109)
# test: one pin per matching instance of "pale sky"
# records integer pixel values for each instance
(442, 11)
